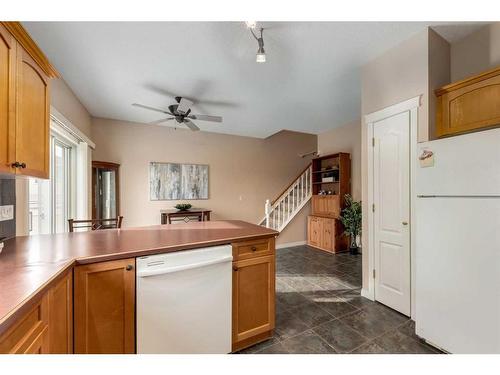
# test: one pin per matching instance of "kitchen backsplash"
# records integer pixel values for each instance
(8, 197)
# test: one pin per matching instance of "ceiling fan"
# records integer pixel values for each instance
(181, 112)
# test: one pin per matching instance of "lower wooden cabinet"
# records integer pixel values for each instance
(47, 328)
(61, 316)
(326, 234)
(91, 308)
(30, 334)
(314, 230)
(104, 307)
(253, 299)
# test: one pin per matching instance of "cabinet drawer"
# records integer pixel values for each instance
(30, 331)
(252, 249)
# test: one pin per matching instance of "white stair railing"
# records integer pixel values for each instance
(284, 208)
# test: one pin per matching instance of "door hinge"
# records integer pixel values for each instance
(373, 142)
(373, 207)
(373, 273)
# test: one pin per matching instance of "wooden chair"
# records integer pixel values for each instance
(95, 224)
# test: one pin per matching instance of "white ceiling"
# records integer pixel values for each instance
(310, 83)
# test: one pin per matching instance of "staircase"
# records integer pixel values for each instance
(283, 209)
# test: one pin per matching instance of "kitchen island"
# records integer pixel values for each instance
(38, 275)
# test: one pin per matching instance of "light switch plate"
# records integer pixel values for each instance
(6, 212)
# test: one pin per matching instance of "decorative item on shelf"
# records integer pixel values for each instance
(183, 206)
(351, 219)
(327, 179)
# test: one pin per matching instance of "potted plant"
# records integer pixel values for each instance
(351, 219)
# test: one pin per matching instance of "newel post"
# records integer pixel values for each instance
(267, 209)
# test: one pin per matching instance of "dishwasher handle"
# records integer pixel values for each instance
(184, 267)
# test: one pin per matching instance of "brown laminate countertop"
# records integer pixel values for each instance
(29, 264)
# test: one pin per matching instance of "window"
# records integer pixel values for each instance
(52, 202)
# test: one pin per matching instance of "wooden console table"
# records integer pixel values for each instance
(193, 214)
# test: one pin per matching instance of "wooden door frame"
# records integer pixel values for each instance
(411, 106)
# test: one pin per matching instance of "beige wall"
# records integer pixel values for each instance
(476, 53)
(65, 101)
(415, 67)
(439, 73)
(346, 138)
(243, 171)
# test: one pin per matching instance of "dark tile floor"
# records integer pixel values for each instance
(319, 309)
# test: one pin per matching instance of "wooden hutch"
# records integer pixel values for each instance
(331, 181)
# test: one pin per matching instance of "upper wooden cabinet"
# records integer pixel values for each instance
(326, 205)
(32, 117)
(469, 105)
(104, 307)
(24, 103)
(7, 99)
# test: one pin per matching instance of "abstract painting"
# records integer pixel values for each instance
(173, 181)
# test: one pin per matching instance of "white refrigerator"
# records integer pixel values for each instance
(457, 244)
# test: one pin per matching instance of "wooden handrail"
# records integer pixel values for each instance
(290, 185)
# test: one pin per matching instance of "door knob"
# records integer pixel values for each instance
(129, 267)
(405, 223)
(16, 165)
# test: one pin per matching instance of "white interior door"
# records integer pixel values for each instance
(391, 197)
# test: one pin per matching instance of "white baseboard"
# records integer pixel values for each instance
(365, 293)
(290, 244)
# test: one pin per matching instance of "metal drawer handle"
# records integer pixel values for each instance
(129, 267)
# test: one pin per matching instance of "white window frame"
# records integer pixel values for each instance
(70, 149)
(83, 162)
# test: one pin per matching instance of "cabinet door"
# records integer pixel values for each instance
(472, 107)
(314, 231)
(40, 344)
(253, 297)
(105, 307)
(328, 233)
(7, 100)
(61, 316)
(30, 333)
(32, 117)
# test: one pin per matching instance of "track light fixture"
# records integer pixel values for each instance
(261, 54)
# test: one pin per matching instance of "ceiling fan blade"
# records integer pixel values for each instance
(206, 118)
(152, 108)
(184, 106)
(191, 125)
(161, 120)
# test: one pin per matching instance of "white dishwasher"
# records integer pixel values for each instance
(184, 301)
